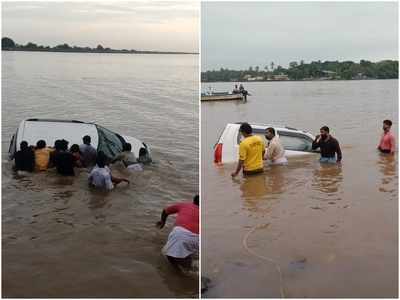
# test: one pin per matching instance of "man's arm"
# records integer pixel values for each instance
(392, 144)
(315, 143)
(160, 224)
(117, 180)
(238, 168)
(338, 152)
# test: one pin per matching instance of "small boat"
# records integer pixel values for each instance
(221, 96)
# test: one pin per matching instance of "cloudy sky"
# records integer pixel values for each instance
(142, 25)
(238, 35)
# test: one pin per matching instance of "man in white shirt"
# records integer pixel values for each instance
(275, 154)
(88, 152)
(101, 177)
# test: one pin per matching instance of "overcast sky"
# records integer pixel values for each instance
(237, 35)
(142, 25)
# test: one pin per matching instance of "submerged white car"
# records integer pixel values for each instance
(296, 142)
(49, 130)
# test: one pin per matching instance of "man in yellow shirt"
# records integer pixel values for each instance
(251, 152)
(42, 156)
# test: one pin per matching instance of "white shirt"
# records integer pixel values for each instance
(275, 149)
(101, 178)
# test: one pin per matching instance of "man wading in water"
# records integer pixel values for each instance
(251, 152)
(183, 241)
(387, 143)
(329, 147)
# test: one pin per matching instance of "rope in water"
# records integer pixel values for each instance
(252, 252)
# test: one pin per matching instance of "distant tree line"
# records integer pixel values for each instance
(7, 44)
(316, 70)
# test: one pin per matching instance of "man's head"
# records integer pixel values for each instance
(196, 199)
(127, 147)
(87, 140)
(64, 145)
(387, 124)
(41, 144)
(23, 145)
(57, 145)
(324, 132)
(269, 133)
(245, 129)
(74, 148)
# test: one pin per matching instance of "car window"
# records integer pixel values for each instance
(290, 140)
(109, 142)
(259, 132)
(295, 143)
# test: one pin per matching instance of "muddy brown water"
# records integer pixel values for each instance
(62, 239)
(333, 230)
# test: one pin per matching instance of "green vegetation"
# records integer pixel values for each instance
(316, 70)
(8, 44)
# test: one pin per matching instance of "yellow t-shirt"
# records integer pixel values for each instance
(251, 152)
(42, 158)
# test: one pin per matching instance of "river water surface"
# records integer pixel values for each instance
(61, 239)
(332, 230)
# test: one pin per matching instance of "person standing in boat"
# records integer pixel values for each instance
(275, 154)
(236, 90)
(387, 144)
(243, 92)
(329, 147)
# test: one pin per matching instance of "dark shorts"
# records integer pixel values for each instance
(387, 151)
(253, 172)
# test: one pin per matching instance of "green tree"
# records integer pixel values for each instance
(7, 43)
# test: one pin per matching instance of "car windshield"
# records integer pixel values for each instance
(109, 142)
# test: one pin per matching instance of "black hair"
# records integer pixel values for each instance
(246, 128)
(101, 159)
(74, 148)
(387, 122)
(196, 199)
(40, 144)
(86, 139)
(325, 128)
(64, 145)
(57, 145)
(127, 147)
(271, 130)
(23, 145)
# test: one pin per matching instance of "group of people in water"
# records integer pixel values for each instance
(253, 151)
(183, 241)
(41, 157)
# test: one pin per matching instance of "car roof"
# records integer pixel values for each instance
(275, 126)
(50, 130)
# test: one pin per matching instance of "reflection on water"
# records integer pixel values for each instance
(387, 166)
(330, 226)
(259, 190)
(327, 179)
